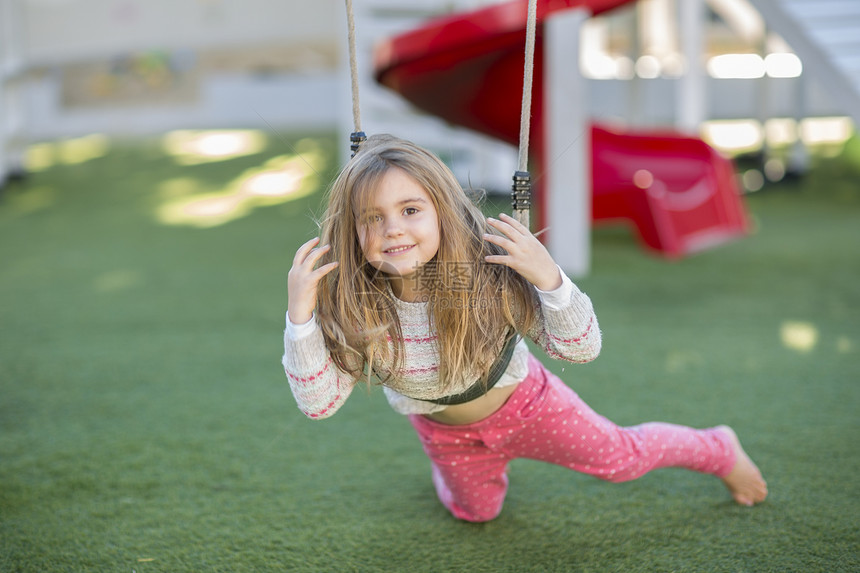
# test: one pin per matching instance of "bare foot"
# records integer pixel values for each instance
(744, 481)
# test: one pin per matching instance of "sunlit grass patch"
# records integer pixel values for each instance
(73, 151)
(278, 180)
(192, 147)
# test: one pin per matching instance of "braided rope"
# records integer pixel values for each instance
(521, 189)
(528, 73)
(358, 136)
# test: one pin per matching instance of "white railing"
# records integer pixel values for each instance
(826, 36)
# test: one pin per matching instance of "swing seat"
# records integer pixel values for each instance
(679, 193)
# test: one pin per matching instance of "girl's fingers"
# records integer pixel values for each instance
(302, 252)
(497, 259)
(307, 255)
(316, 254)
(509, 226)
(515, 224)
(502, 227)
(324, 270)
(499, 240)
(512, 244)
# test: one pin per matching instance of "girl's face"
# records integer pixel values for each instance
(399, 232)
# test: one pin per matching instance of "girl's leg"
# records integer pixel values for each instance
(469, 477)
(564, 430)
(545, 420)
(472, 495)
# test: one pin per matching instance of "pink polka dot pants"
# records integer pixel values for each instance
(545, 420)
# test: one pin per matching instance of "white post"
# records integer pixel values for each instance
(635, 108)
(798, 160)
(568, 143)
(692, 95)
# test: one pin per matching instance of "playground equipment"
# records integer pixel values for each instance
(680, 194)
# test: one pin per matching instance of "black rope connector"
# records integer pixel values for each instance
(356, 138)
(521, 191)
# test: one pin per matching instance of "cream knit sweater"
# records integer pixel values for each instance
(567, 329)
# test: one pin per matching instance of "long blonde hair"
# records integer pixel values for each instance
(355, 305)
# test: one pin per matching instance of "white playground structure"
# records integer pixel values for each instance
(73, 67)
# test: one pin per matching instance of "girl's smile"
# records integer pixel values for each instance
(398, 250)
(399, 232)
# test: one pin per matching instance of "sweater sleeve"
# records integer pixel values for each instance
(567, 328)
(318, 385)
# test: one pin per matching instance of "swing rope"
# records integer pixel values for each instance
(357, 137)
(521, 189)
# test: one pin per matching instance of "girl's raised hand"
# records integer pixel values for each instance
(526, 254)
(303, 279)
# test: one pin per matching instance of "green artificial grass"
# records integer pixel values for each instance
(146, 424)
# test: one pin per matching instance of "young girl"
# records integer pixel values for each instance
(414, 288)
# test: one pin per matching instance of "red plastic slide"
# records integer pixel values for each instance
(681, 195)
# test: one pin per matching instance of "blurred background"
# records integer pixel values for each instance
(73, 68)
